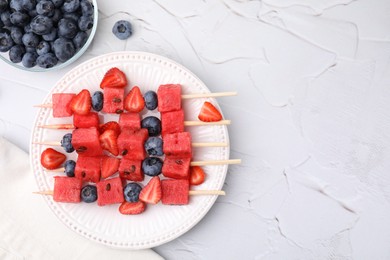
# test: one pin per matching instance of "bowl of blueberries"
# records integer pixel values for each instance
(43, 35)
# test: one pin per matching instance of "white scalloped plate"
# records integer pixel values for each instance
(159, 223)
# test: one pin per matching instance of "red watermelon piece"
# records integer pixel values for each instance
(131, 143)
(130, 121)
(110, 191)
(131, 170)
(86, 142)
(172, 122)
(61, 103)
(169, 97)
(88, 168)
(175, 192)
(86, 121)
(113, 100)
(178, 145)
(176, 168)
(67, 189)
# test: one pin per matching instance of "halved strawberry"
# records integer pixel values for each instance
(209, 113)
(114, 78)
(134, 101)
(108, 141)
(110, 165)
(197, 175)
(151, 193)
(52, 159)
(112, 125)
(81, 103)
(132, 208)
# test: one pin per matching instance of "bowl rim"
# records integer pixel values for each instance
(71, 60)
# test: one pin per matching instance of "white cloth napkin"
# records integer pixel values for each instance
(28, 228)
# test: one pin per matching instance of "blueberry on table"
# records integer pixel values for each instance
(43, 47)
(17, 34)
(19, 18)
(29, 59)
(122, 29)
(29, 5)
(152, 166)
(89, 193)
(63, 49)
(150, 98)
(41, 24)
(66, 143)
(85, 23)
(16, 53)
(154, 146)
(153, 124)
(70, 6)
(132, 191)
(46, 8)
(6, 41)
(47, 60)
(86, 7)
(67, 28)
(30, 40)
(70, 166)
(97, 101)
(3, 5)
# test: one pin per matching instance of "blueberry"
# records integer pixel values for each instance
(67, 28)
(50, 36)
(27, 28)
(58, 3)
(30, 40)
(5, 18)
(16, 53)
(63, 49)
(131, 192)
(47, 60)
(122, 29)
(1, 24)
(31, 49)
(32, 13)
(86, 7)
(153, 124)
(66, 143)
(19, 18)
(154, 146)
(57, 16)
(46, 8)
(74, 16)
(16, 5)
(43, 47)
(41, 25)
(150, 98)
(97, 101)
(85, 23)
(152, 166)
(17, 34)
(70, 166)
(29, 59)
(6, 41)
(70, 6)
(3, 5)
(29, 5)
(89, 193)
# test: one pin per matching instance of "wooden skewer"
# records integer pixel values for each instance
(213, 144)
(191, 192)
(186, 96)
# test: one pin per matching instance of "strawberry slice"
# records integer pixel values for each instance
(108, 141)
(151, 193)
(197, 175)
(134, 101)
(81, 103)
(209, 113)
(110, 165)
(132, 208)
(114, 78)
(112, 125)
(52, 159)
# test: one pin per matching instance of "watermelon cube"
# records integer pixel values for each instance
(131, 170)
(67, 189)
(130, 121)
(113, 100)
(86, 142)
(110, 191)
(88, 168)
(131, 143)
(86, 121)
(178, 145)
(175, 192)
(169, 97)
(61, 103)
(176, 168)
(172, 122)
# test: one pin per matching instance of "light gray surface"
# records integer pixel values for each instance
(311, 122)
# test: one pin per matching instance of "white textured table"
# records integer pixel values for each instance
(311, 122)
